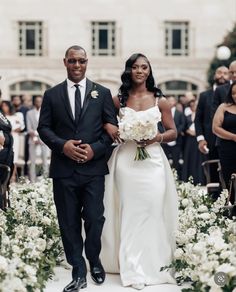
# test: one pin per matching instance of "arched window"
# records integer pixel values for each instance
(178, 88)
(28, 87)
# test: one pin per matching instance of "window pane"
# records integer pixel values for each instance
(30, 85)
(173, 85)
(30, 39)
(176, 39)
(103, 39)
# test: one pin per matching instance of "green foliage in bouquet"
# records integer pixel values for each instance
(141, 153)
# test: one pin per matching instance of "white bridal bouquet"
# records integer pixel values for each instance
(139, 127)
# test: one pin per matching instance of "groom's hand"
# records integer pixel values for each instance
(89, 152)
(70, 149)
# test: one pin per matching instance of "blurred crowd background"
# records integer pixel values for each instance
(187, 41)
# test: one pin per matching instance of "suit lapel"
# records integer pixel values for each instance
(87, 97)
(66, 101)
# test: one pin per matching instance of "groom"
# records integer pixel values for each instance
(71, 124)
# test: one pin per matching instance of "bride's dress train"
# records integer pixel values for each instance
(141, 215)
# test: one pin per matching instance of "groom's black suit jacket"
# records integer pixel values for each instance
(57, 125)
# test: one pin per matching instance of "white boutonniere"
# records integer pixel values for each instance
(94, 94)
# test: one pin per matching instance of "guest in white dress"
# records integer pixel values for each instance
(141, 206)
(35, 143)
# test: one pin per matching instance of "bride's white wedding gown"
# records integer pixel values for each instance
(141, 213)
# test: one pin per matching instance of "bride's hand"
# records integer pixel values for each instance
(144, 143)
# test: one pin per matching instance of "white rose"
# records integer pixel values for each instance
(3, 264)
(33, 232)
(202, 209)
(204, 277)
(16, 249)
(184, 202)
(182, 239)
(225, 254)
(41, 244)
(199, 247)
(178, 253)
(46, 221)
(204, 216)
(190, 233)
(220, 245)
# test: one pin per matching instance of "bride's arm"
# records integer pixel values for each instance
(168, 123)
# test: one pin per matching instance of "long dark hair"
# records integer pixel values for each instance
(229, 98)
(127, 80)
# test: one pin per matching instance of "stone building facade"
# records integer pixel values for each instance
(178, 36)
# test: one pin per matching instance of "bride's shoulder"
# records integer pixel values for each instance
(116, 101)
(163, 103)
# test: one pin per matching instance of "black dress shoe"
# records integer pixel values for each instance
(97, 273)
(76, 284)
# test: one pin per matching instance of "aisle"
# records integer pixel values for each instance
(63, 276)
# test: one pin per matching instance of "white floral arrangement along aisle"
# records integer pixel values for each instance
(29, 238)
(30, 244)
(206, 242)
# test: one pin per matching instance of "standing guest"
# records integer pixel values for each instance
(173, 150)
(27, 101)
(17, 104)
(32, 118)
(222, 91)
(20, 107)
(192, 157)
(224, 126)
(17, 123)
(185, 100)
(6, 152)
(203, 121)
(71, 124)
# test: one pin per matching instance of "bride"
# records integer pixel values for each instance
(140, 195)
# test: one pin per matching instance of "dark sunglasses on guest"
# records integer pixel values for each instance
(74, 61)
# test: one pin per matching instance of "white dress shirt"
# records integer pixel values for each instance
(173, 109)
(71, 92)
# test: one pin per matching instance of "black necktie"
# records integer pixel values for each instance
(77, 103)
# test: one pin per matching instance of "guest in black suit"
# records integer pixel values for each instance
(173, 150)
(71, 124)
(192, 158)
(222, 91)
(203, 120)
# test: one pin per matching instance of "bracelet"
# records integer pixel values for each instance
(162, 136)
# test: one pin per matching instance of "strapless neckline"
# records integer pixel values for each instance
(153, 107)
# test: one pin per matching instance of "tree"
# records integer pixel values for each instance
(230, 42)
